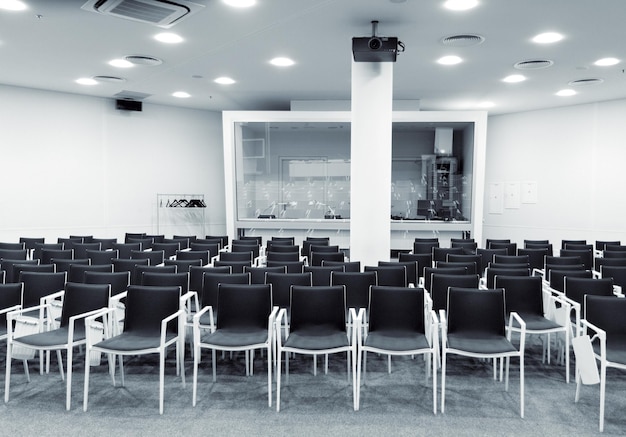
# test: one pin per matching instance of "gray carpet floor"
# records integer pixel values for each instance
(398, 404)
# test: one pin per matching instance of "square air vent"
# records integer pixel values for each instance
(162, 13)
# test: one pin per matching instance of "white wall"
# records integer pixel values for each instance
(73, 164)
(576, 155)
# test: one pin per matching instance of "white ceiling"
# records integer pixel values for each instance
(54, 42)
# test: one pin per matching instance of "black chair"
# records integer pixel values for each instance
(131, 235)
(525, 296)
(246, 323)
(475, 327)
(212, 248)
(357, 286)
(186, 255)
(618, 273)
(600, 245)
(320, 275)
(102, 256)
(599, 262)
(422, 259)
(6, 253)
(145, 332)
(317, 326)
(208, 296)
(556, 278)
(169, 249)
(77, 271)
(511, 259)
(476, 259)
(119, 281)
(282, 283)
(399, 325)
(125, 249)
(183, 265)
(79, 301)
(153, 279)
(486, 256)
(196, 275)
(489, 241)
(317, 258)
(80, 249)
(428, 271)
(412, 277)
(536, 257)
(41, 268)
(492, 272)
(575, 291)
(310, 241)
(283, 256)
(136, 276)
(441, 253)
(604, 322)
(144, 243)
(38, 247)
(10, 300)
(441, 282)
(470, 266)
(511, 248)
(424, 247)
(46, 255)
(31, 242)
(105, 243)
(564, 243)
(291, 266)
(539, 244)
(389, 275)
(63, 265)
(348, 266)
(468, 246)
(156, 257)
(585, 255)
(222, 238)
(257, 274)
(235, 266)
(6, 265)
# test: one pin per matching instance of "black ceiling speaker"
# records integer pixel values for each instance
(375, 48)
(128, 105)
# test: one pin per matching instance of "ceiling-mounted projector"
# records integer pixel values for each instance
(375, 48)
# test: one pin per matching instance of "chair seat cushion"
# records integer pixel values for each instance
(235, 338)
(56, 337)
(396, 341)
(317, 339)
(536, 322)
(133, 341)
(480, 343)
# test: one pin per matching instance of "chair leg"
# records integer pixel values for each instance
(434, 376)
(214, 365)
(68, 395)
(196, 360)
(521, 384)
(278, 364)
(443, 381)
(7, 380)
(60, 361)
(269, 375)
(161, 379)
(602, 394)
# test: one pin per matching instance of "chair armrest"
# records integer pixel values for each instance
(190, 296)
(443, 324)
(599, 334)
(167, 320)
(11, 309)
(617, 291)
(73, 319)
(53, 296)
(522, 323)
(539, 272)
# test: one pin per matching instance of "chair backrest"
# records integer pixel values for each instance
(169, 249)
(599, 262)
(125, 249)
(82, 238)
(547, 246)
(13, 253)
(196, 275)
(357, 285)
(136, 276)
(257, 274)
(468, 246)
(222, 238)
(476, 259)
(523, 294)
(155, 257)
(39, 268)
(147, 306)
(441, 253)
(348, 266)
(323, 307)
(511, 248)
(128, 265)
(183, 265)
(212, 248)
(10, 296)
(77, 271)
(511, 259)
(562, 260)
(441, 282)
(80, 249)
(283, 256)
(243, 306)
(424, 247)
(470, 266)
(486, 256)
(131, 235)
(318, 257)
(536, 257)
(30, 242)
(282, 283)
(390, 275)
(306, 244)
(564, 243)
(476, 311)
(491, 273)
(556, 277)
(182, 242)
(210, 282)
(63, 264)
(489, 241)
(279, 240)
(422, 259)
(607, 313)
(119, 281)
(618, 273)
(494, 265)
(600, 245)
(614, 254)
(68, 243)
(80, 298)
(40, 246)
(7, 266)
(577, 288)
(586, 256)
(250, 238)
(320, 275)
(235, 266)
(40, 284)
(144, 243)
(411, 270)
(291, 266)
(46, 255)
(281, 246)
(245, 248)
(396, 309)
(105, 243)
(155, 279)
(189, 255)
(102, 256)
(428, 271)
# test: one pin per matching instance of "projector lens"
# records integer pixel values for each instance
(375, 44)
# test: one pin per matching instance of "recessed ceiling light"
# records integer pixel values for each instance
(606, 62)
(514, 78)
(566, 93)
(240, 3)
(120, 63)
(449, 60)
(13, 5)
(170, 38)
(547, 37)
(282, 62)
(224, 80)
(181, 94)
(86, 81)
(486, 104)
(460, 5)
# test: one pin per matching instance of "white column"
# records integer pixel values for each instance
(370, 154)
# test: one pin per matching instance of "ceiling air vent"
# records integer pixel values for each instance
(534, 64)
(162, 13)
(465, 40)
(143, 60)
(581, 82)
